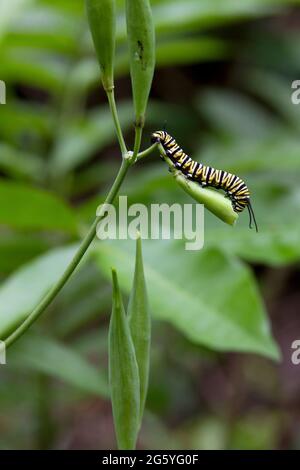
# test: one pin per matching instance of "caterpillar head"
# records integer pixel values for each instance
(157, 137)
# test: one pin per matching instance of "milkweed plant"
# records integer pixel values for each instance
(130, 330)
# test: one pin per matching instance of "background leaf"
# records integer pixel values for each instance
(30, 208)
(43, 354)
(25, 288)
(185, 297)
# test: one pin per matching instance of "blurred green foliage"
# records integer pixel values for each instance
(223, 84)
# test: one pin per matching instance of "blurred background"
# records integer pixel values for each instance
(224, 319)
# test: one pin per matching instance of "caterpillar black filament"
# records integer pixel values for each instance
(235, 187)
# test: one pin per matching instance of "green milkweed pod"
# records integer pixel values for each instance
(141, 42)
(140, 323)
(102, 21)
(215, 202)
(123, 374)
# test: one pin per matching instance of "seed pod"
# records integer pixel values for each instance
(141, 42)
(102, 21)
(123, 374)
(140, 323)
(213, 201)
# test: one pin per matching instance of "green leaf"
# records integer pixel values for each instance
(22, 291)
(84, 298)
(209, 297)
(43, 354)
(123, 374)
(189, 50)
(233, 114)
(33, 68)
(28, 208)
(45, 28)
(18, 249)
(140, 324)
(247, 156)
(278, 239)
(175, 15)
(9, 11)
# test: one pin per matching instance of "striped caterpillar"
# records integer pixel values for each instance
(235, 188)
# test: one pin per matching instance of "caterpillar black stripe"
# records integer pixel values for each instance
(235, 187)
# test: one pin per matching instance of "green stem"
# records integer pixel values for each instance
(114, 112)
(146, 152)
(137, 142)
(75, 261)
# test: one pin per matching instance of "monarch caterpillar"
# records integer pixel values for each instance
(235, 188)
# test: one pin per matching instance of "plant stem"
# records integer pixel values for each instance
(75, 261)
(137, 142)
(146, 152)
(113, 108)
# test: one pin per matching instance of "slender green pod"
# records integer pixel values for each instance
(141, 42)
(213, 200)
(140, 323)
(102, 21)
(123, 374)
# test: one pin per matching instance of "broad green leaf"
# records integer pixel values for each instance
(209, 297)
(9, 11)
(90, 308)
(43, 354)
(33, 68)
(18, 249)
(192, 14)
(70, 7)
(253, 156)
(45, 28)
(140, 323)
(58, 42)
(22, 291)
(28, 208)
(123, 375)
(188, 51)
(235, 115)
(275, 204)
(275, 90)
(83, 300)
